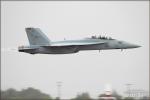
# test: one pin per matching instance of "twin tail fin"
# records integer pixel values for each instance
(37, 37)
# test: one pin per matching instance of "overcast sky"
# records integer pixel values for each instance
(86, 71)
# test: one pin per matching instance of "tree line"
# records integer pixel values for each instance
(31, 93)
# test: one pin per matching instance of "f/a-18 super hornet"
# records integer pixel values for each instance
(40, 44)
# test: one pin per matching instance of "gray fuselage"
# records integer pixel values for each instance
(74, 46)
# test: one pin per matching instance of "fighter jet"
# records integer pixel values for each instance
(40, 44)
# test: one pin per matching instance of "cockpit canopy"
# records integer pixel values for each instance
(101, 37)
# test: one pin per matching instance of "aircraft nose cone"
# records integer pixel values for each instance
(129, 45)
(137, 46)
(134, 46)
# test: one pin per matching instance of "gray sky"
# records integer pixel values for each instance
(86, 71)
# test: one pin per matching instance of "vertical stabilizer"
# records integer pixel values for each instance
(37, 37)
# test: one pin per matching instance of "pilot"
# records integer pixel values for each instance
(93, 37)
(99, 37)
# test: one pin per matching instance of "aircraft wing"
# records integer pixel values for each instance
(70, 47)
(76, 43)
